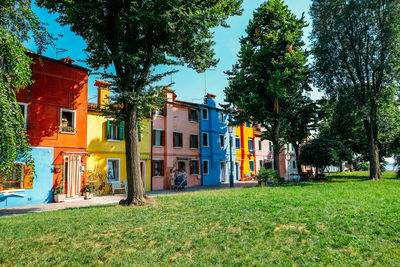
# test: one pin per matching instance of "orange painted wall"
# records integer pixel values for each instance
(56, 85)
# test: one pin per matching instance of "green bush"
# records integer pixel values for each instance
(278, 179)
(265, 175)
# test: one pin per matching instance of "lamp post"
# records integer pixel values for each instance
(230, 130)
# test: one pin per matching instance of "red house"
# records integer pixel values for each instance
(55, 110)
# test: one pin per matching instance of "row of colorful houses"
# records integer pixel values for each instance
(73, 144)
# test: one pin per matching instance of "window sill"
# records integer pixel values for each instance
(158, 176)
(12, 190)
(157, 146)
(194, 121)
(194, 148)
(177, 147)
(113, 140)
(67, 132)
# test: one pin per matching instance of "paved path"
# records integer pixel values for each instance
(107, 199)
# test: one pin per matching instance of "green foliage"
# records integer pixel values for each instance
(16, 22)
(264, 175)
(87, 189)
(271, 73)
(59, 190)
(357, 59)
(324, 151)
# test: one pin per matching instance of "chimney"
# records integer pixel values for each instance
(67, 60)
(210, 100)
(103, 93)
(169, 94)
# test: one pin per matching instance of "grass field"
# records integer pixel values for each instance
(346, 221)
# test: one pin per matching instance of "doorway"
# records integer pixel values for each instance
(143, 173)
(237, 170)
(181, 165)
(222, 171)
(72, 175)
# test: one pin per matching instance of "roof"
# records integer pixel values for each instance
(33, 54)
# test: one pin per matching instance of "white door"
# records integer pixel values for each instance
(223, 172)
(72, 166)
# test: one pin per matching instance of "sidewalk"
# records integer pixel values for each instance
(107, 199)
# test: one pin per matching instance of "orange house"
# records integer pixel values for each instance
(55, 111)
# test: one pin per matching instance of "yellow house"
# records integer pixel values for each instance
(244, 143)
(106, 145)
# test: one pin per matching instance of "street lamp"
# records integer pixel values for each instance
(230, 131)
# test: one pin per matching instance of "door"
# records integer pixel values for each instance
(181, 165)
(143, 173)
(72, 175)
(237, 170)
(223, 172)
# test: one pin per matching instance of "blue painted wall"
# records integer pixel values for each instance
(214, 153)
(42, 191)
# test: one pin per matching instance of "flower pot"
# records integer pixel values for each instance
(87, 195)
(59, 198)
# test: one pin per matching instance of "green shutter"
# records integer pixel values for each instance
(121, 131)
(139, 133)
(108, 129)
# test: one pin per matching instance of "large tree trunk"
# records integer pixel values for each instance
(297, 152)
(136, 193)
(372, 135)
(277, 148)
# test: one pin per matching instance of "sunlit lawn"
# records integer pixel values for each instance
(340, 222)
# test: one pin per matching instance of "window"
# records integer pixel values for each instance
(251, 163)
(292, 147)
(17, 180)
(158, 167)
(237, 142)
(204, 113)
(222, 140)
(220, 116)
(270, 146)
(68, 121)
(113, 170)
(259, 145)
(205, 167)
(205, 139)
(193, 115)
(251, 144)
(248, 124)
(158, 138)
(194, 141)
(177, 139)
(287, 147)
(294, 164)
(24, 112)
(115, 131)
(261, 164)
(194, 166)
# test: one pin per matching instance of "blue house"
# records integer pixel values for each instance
(42, 189)
(214, 144)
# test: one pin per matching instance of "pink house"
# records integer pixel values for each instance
(263, 150)
(175, 142)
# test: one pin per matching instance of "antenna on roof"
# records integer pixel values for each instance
(60, 50)
(205, 80)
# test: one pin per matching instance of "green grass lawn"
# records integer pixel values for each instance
(349, 221)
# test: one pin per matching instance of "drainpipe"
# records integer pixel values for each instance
(151, 153)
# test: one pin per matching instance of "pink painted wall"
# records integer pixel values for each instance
(176, 119)
(264, 154)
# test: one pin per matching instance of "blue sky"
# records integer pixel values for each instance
(189, 85)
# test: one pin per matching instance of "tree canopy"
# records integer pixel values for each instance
(17, 23)
(135, 37)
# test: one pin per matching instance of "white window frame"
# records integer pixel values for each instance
(202, 113)
(25, 113)
(221, 145)
(237, 147)
(113, 140)
(155, 137)
(119, 169)
(197, 141)
(208, 167)
(74, 119)
(254, 166)
(219, 118)
(155, 166)
(202, 139)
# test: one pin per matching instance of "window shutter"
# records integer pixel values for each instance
(163, 138)
(121, 131)
(189, 114)
(180, 140)
(196, 141)
(108, 129)
(153, 137)
(139, 133)
(197, 115)
(28, 177)
(191, 141)
(162, 167)
(153, 169)
(174, 139)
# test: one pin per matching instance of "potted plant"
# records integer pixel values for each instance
(59, 195)
(87, 191)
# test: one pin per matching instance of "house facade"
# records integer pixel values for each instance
(263, 151)
(175, 142)
(245, 154)
(55, 113)
(106, 145)
(215, 148)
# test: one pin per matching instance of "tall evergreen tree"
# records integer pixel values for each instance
(135, 37)
(271, 72)
(357, 57)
